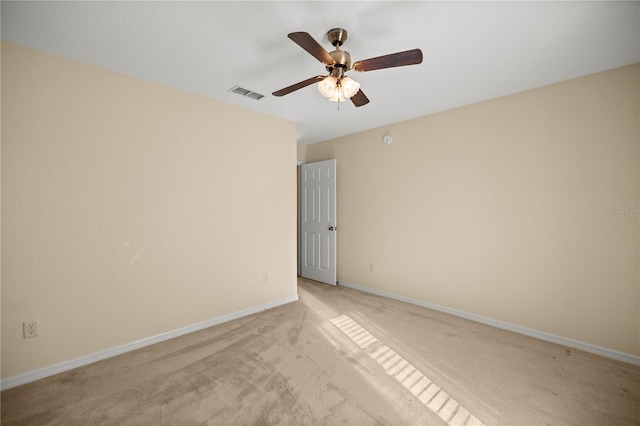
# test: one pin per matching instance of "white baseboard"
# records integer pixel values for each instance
(587, 347)
(41, 373)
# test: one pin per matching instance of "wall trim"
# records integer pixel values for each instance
(41, 373)
(548, 337)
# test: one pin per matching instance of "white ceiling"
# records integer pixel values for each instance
(473, 51)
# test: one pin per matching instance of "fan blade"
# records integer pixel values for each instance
(307, 42)
(359, 99)
(297, 86)
(409, 57)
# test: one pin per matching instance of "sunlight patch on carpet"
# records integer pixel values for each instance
(430, 394)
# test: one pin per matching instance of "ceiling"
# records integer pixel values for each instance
(473, 51)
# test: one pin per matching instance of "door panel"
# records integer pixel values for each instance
(324, 210)
(310, 245)
(309, 205)
(325, 253)
(318, 221)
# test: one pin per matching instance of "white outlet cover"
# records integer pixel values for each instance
(30, 329)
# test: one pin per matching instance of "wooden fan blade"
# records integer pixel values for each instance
(297, 86)
(408, 57)
(307, 42)
(359, 99)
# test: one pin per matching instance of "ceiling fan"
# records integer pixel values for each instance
(336, 85)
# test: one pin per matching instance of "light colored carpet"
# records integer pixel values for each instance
(339, 356)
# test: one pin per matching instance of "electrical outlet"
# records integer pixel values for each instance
(371, 267)
(265, 278)
(30, 328)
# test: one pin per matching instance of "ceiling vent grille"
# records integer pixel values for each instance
(245, 92)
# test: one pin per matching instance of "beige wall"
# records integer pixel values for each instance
(302, 153)
(521, 209)
(131, 209)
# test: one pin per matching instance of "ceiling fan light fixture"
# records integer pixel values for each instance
(338, 90)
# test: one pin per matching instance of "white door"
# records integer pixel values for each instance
(318, 221)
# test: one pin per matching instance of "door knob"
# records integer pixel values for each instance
(333, 228)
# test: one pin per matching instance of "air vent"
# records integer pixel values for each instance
(244, 92)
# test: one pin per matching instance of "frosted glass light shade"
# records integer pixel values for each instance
(349, 87)
(338, 90)
(328, 86)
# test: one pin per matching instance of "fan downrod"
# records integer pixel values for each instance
(341, 58)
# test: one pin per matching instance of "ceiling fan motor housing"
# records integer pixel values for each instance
(341, 59)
